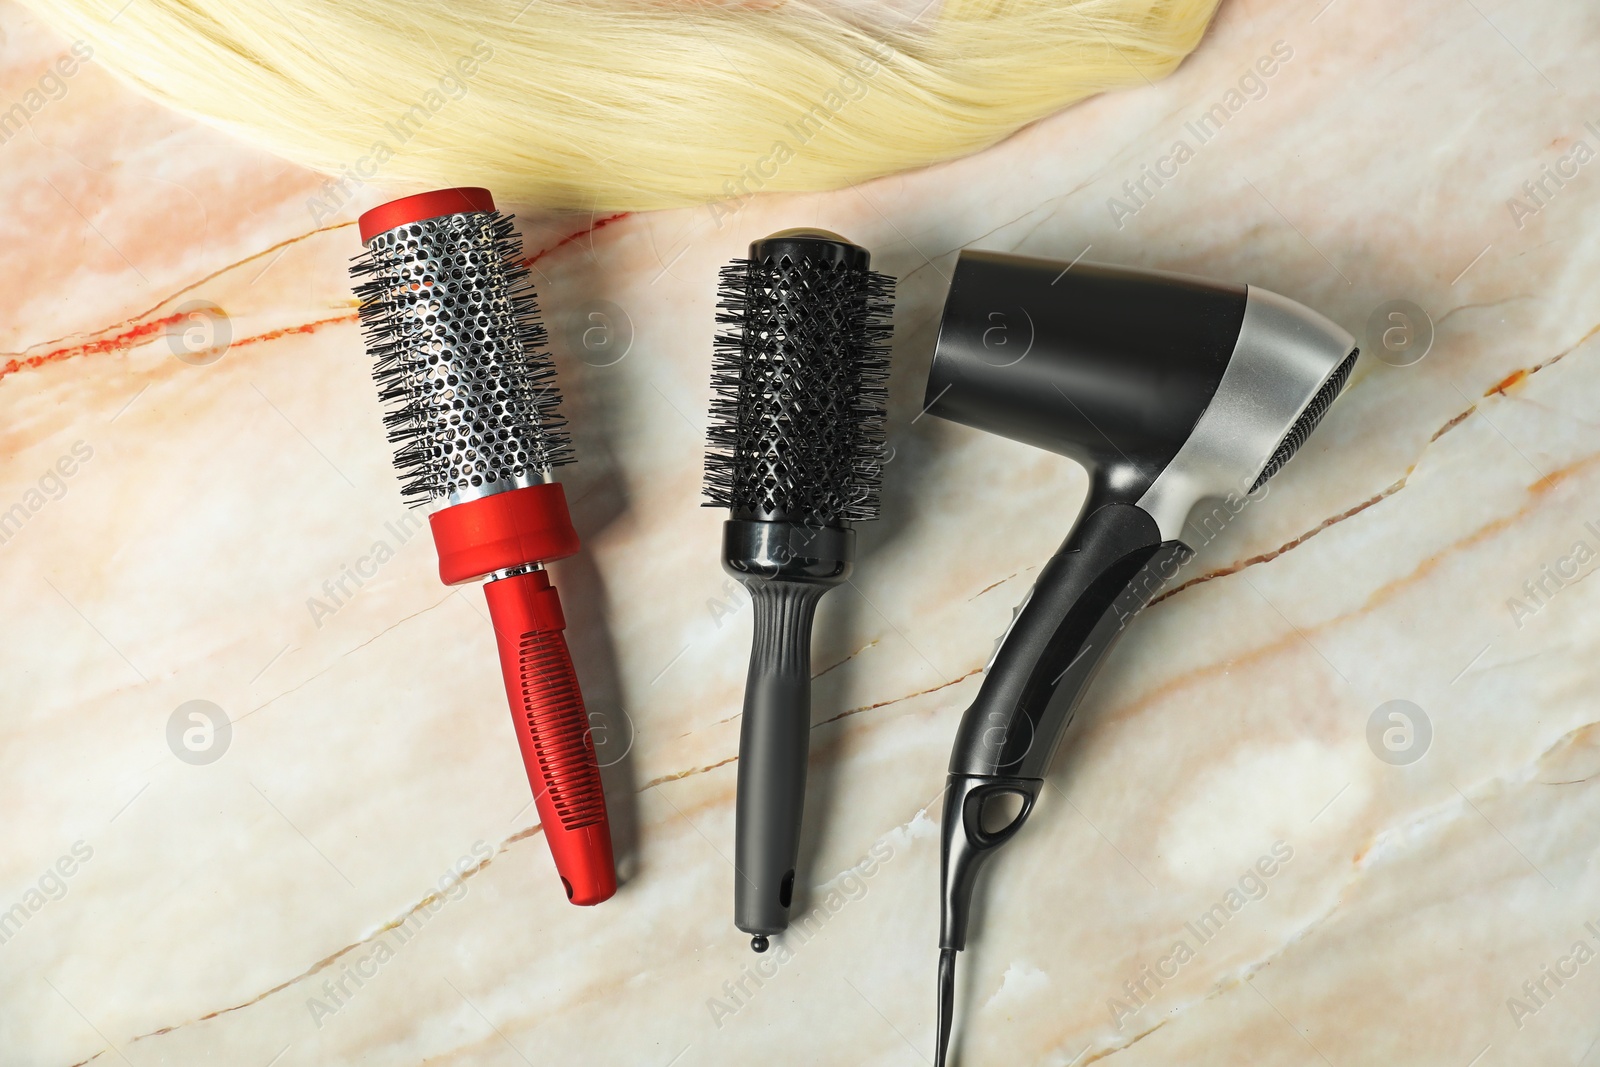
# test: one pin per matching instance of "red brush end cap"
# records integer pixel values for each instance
(588, 872)
(508, 529)
(430, 205)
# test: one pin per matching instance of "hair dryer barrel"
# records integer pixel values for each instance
(1111, 367)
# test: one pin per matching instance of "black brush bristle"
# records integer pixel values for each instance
(452, 327)
(800, 389)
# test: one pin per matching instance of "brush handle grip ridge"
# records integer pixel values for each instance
(774, 740)
(553, 732)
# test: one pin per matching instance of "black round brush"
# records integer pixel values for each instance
(795, 451)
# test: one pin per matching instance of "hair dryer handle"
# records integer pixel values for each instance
(553, 732)
(1109, 568)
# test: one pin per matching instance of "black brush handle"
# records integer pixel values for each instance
(786, 567)
(1111, 565)
(774, 742)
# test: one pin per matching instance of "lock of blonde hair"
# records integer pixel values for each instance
(624, 104)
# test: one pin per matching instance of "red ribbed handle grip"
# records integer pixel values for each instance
(553, 732)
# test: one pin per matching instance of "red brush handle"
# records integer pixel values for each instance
(504, 531)
(553, 732)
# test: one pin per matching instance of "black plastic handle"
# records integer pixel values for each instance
(774, 741)
(1113, 562)
(1110, 567)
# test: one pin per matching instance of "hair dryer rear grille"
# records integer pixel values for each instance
(1308, 419)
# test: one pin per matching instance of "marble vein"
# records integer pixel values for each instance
(136, 320)
(140, 328)
(1498, 389)
(1378, 153)
(521, 835)
(1434, 818)
(334, 957)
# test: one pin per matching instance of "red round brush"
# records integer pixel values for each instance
(457, 348)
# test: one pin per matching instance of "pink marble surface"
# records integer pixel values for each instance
(196, 509)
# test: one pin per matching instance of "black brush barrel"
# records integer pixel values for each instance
(797, 419)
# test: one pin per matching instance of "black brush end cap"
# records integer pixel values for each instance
(821, 247)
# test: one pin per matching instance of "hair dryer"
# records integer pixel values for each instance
(1170, 390)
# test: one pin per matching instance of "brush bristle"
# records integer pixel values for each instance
(800, 389)
(452, 327)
